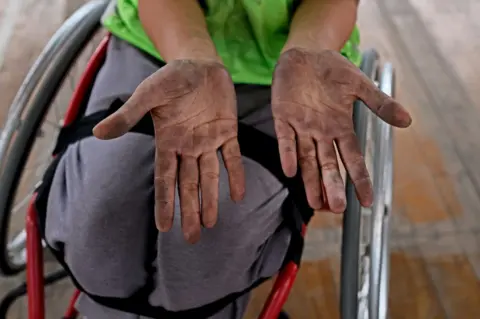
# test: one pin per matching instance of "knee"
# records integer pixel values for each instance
(106, 215)
(112, 188)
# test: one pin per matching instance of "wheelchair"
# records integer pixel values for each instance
(34, 122)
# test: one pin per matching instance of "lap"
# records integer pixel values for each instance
(101, 209)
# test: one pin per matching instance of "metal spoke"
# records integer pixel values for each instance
(22, 203)
(56, 113)
(55, 124)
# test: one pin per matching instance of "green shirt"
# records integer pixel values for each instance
(248, 34)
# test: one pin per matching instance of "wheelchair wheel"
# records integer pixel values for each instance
(365, 249)
(34, 121)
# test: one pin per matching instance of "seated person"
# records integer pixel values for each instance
(182, 216)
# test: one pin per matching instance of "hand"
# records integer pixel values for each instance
(312, 104)
(193, 107)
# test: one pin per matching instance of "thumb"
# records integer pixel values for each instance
(123, 120)
(382, 104)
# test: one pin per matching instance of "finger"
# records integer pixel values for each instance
(383, 105)
(234, 165)
(165, 179)
(286, 147)
(307, 158)
(189, 201)
(331, 176)
(122, 120)
(209, 171)
(354, 163)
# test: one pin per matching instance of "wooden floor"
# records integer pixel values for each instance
(435, 259)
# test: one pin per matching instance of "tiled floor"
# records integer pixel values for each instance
(435, 235)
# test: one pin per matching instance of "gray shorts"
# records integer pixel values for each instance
(100, 210)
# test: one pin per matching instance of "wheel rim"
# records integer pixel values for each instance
(387, 84)
(39, 157)
(35, 166)
(374, 250)
(352, 263)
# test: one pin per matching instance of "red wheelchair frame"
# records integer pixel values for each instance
(35, 270)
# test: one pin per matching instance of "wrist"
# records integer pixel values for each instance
(177, 29)
(308, 46)
(296, 54)
(320, 25)
(197, 49)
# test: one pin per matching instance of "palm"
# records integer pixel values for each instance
(193, 109)
(312, 103)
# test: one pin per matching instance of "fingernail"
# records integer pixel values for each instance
(404, 119)
(209, 223)
(291, 171)
(191, 237)
(103, 133)
(338, 205)
(367, 203)
(163, 226)
(238, 195)
(316, 204)
(97, 131)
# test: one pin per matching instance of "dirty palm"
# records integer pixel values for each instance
(193, 108)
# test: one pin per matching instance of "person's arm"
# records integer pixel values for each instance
(319, 25)
(178, 29)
